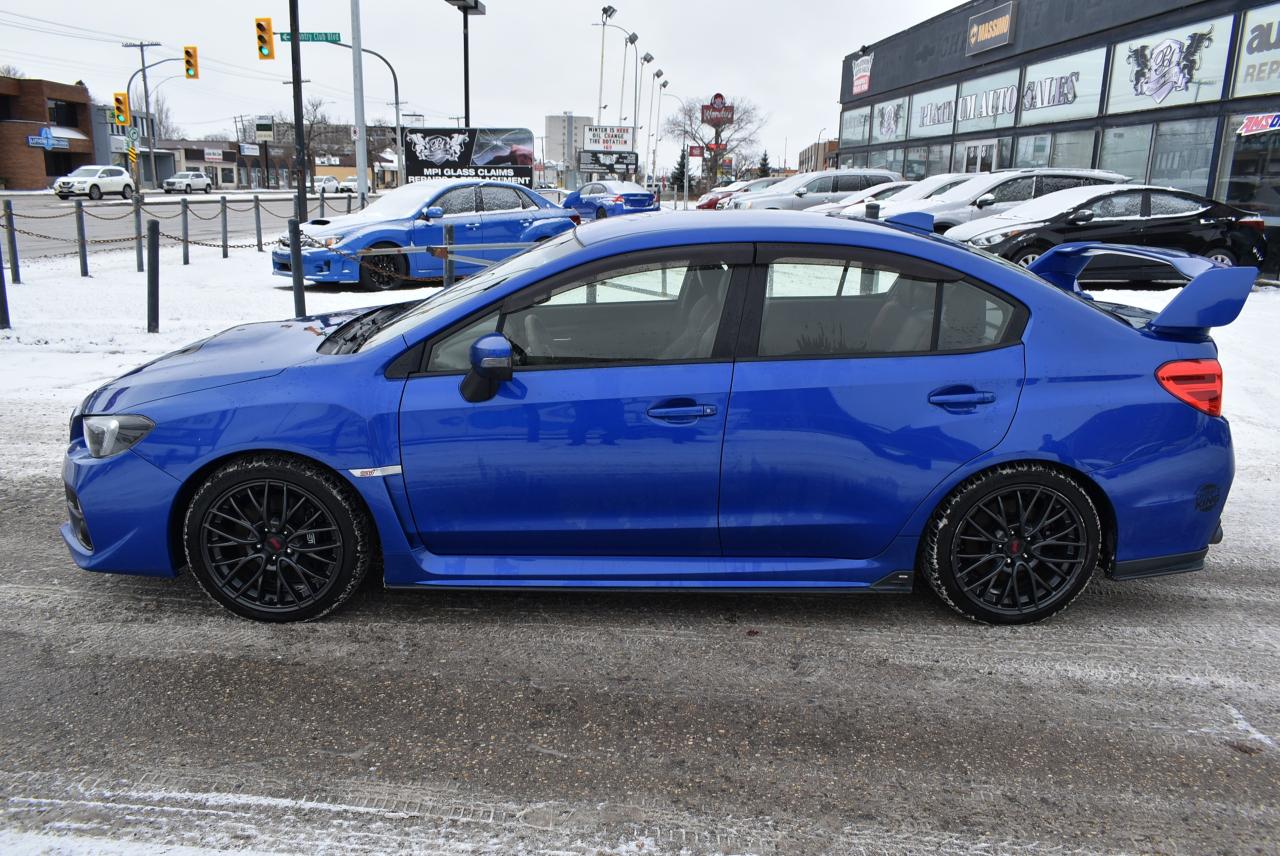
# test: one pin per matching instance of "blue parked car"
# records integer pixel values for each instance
(414, 215)
(771, 402)
(600, 199)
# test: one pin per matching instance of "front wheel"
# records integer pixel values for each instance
(95, 192)
(126, 192)
(1026, 256)
(1013, 545)
(276, 538)
(382, 273)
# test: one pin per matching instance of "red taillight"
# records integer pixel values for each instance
(1196, 382)
(575, 219)
(618, 199)
(1253, 223)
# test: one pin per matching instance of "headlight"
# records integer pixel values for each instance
(991, 238)
(742, 203)
(109, 435)
(331, 240)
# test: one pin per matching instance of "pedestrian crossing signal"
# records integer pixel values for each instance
(266, 38)
(122, 108)
(191, 62)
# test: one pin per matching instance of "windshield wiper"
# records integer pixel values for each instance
(351, 335)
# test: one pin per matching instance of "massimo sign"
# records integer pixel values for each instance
(990, 29)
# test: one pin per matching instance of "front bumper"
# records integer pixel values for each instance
(124, 504)
(318, 265)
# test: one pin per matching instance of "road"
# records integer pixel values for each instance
(53, 222)
(1143, 720)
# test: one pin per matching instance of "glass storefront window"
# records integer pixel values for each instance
(1184, 65)
(987, 103)
(889, 121)
(885, 159)
(933, 112)
(1125, 150)
(1180, 154)
(1069, 87)
(939, 159)
(1033, 151)
(916, 165)
(854, 126)
(1072, 148)
(1258, 60)
(1249, 171)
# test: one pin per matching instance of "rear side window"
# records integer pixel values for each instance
(831, 308)
(1172, 204)
(500, 198)
(848, 183)
(1054, 183)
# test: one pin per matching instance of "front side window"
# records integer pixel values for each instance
(820, 185)
(459, 201)
(1017, 190)
(1117, 205)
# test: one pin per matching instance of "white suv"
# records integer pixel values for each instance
(185, 182)
(94, 181)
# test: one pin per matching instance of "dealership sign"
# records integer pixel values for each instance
(1258, 63)
(607, 138)
(213, 155)
(47, 141)
(1184, 65)
(616, 162)
(990, 29)
(500, 154)
(264, 129)
(862, 74)
(717, 113)
(250, 150)
(1259, 123)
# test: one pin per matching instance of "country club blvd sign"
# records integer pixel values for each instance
(607, 138)
(990, 29)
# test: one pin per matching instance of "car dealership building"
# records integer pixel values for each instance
(1185, 94)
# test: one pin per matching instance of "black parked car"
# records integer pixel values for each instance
(1120, 214)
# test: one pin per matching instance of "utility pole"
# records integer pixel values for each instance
(299, 156)
(146, 106)
(357, 73)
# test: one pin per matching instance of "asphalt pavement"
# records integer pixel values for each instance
(1145, 719)
(46, 225)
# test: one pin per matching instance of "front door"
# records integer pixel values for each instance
(503, 219)
(461, 211)
(1117, 219)
(979, 156)
(607, 441)
(854, 397)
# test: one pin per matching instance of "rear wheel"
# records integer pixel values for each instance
(1222, 256)
(186, 189)
(208, 188)
(1013, 545)
(381, 273)
(601, 214)
(275, 538)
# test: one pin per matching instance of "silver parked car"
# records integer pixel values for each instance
(925, 188)
(984, 195)
(807, 189)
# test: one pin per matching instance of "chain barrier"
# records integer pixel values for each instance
(216, 246)
(378, 268)
(89, 213)
(30, 234)
(162, 216)
(45, 216)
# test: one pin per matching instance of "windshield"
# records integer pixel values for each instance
(968, 190)
(789, 184)
(404, 201)
(624, 187)
(85, 172)
(520, 263)
(1051, 204)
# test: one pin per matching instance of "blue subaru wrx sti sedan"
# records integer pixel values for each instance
(415, 215)
(773, 401)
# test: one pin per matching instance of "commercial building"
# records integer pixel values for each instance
(1185, 94)
(564, 137)
(818, 156)
(46, 131)
(111, 144)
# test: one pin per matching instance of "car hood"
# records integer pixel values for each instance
(981, 226)
(344, 224)
(243, 353)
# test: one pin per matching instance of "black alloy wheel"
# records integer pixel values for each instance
(382, 273)
(601, 214)
(1013, 545)
(277, 539)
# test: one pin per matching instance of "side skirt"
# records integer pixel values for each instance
(1179, 563)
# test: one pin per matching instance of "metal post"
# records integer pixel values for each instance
(153, 276)
(257, 220)
(448, 258)
(299, 155)
(80, 242)
(137, 230)
(349, 203)
(466, 70)
(357, 80)
(295, 266)
(604, 19)
(186, 247)
(223, 200)
(12, 237)
(4, 299)
(322, 202)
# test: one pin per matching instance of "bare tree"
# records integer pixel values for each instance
(741, 135)
(319, 134)
(166, 128)
(10, 70)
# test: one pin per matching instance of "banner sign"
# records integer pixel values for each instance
(213, 155)
(250, 150)
(862, 73)
(695, 151)
(1258, 62)
(501, 154)
(718, 112)
(47, 141)
(619, 162)
(990, 29)
(607, 138)
(1259, 123)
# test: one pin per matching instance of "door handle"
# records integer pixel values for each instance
(959, 399)
(688, 411)
(471, 225)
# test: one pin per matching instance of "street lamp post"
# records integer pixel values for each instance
(684, 143)
(606, 12)
(635, 110)
(818, 153)
(467, 8)
(657, 131)
(650, 131)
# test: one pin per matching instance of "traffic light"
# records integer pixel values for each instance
(191, 61)
(122, 109)
(266, 38)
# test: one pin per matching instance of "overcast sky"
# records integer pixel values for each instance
(528, 57)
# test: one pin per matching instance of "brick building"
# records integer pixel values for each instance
(46, 131)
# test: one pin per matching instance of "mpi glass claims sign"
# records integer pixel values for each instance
(500, 154)
(990, 29)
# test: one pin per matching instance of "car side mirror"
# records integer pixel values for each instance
(1081, 215)
(435, 212)
(491, 366)
(984, 200)
(801, 191)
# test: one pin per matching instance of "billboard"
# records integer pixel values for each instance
(607, 138)
(500, 154)
(615, 162)
(263, 129)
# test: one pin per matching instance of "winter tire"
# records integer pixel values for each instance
(276, 538)
(95, 192)
(1013, 545)
(126, 192)
(1222, 256)
(601, 214)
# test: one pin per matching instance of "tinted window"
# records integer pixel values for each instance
(1171, 204)
(820, 185)
(648, 313)
(823, 308)
(1117, 205)
(591, 190)
(846, 183)
(460, 201)
(972, 318)
(500, 198)
(1017, 190)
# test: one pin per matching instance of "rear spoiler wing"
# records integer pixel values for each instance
(1212, 297)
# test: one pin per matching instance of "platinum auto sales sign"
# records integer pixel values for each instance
(498, 154)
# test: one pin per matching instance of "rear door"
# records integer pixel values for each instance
(863, 380)
(462, 212)
(1117, 219)
(503, 219)
(1181, 221)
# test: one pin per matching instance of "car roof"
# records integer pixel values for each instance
(695, 227)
